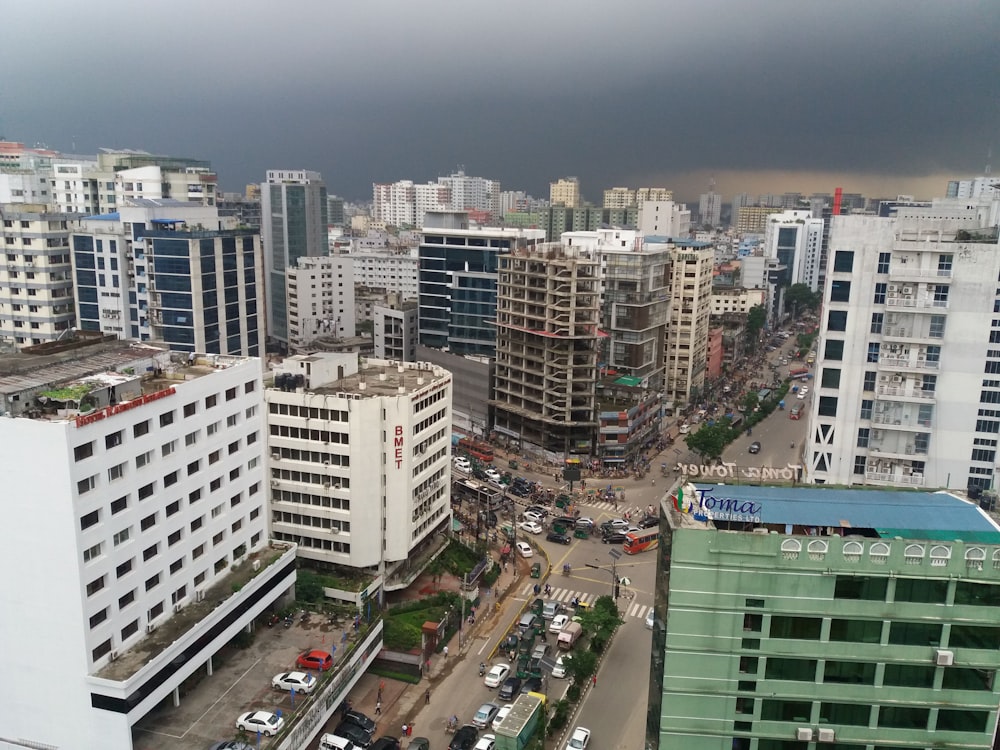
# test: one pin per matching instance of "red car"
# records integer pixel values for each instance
(320, 660)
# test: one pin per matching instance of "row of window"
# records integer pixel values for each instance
(866, 673)
(308, 412)
(860, 714)
(871, 631)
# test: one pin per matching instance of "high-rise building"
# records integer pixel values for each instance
(142, 473)
(792, 618)
(664, 219)
(36, 281)
(458, 282)
(753, 219)
(987, 187)
(360, 461)
(404, 204)
(294, 214)
(473, 193)
(565, 192)
(547, 343)
(710, 209)
(905, 392)
(795, 238)
(320, 299)
(167, 270)
(619, 197)
(395, 331)
(691, 265)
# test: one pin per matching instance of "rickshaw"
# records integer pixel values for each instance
(536, 570)
(559, 528)
(512, 464)
(563, 501)
(581, 533)
(537, 606)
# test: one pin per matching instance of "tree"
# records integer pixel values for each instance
(580, 666)
(755, 323)
(750, 402)
(801, 297)
(710, 440)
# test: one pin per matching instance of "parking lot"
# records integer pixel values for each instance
(241, 682)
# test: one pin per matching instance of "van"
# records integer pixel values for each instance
(333, 742)
(569, 635)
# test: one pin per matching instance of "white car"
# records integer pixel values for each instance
(558, 623)
(492, 474)
(532, 527)
(298, 681)
(800, 396)
(260, 721)
(649, 619)
(559, 670)
(462, 464)
(804, 389)
(579, 739)
(502, 714)
(497, 674)
(524, 549)
(486, 742)
(530, 515)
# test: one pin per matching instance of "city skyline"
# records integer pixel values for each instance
(781, 96)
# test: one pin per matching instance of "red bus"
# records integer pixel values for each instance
(640, 541)
(476, 449)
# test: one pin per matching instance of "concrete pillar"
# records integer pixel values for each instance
(208, 666)
(177, 696)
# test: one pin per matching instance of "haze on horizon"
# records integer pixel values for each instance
(882, 98)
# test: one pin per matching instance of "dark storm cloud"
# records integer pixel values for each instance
(523, 92)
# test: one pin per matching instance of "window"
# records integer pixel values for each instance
(216, 511)
(213, 457)
(981, 454)
(155, 611)
(866, 408)
(979, 594)
(124, 568)
(827, 406)
(129, 630)
(836, 320)
(235, 499)
(833, 350)
(117, 506)
(802, 670)
(775, 710)
(190, 409)
(152, 581)
(170, 479)
(217, 539)
(86, 485)
(915, 634)
(852, 714)
(974, 636)
(168, 448)
(167, 418)
(211, 401)
(198, 551)
(122, 536)
(230, 393)
(92, 553)
(143, 458)
(194, 496)
(883, 262)
(252, 438)
(140, 429)
(101, 650)
(213, 428)
(176, 565)
(116, 472)
(146, 491)
(866, 589)
(81, 452)
(856, 631)
(908, 675)
(925, 590)
(903, 718)
(113, 440)
(250, 386)
(877, 320)
(843, 261)
(89, 520)
(234, 474)
(127, 599)
(936, 328)
(879, 296)
(863, 436)
(849, 672)
(94, 586)
(232, 420)
(783, 626)
(830, 377)
(191, 438)
(840, 291)
(150, 552)
(958, 720)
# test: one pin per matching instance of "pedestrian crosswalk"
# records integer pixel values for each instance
(565, 596)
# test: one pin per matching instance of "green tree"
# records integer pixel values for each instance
(755, 323)
(580, 666)
(710, 440)
(437, 570)
(801, 297)
(750, 402)
(308, 586)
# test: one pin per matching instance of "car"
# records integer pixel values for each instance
(538, 510)
(231, 745)
(584, 523)
(462, 464)
(492, 473)
(555, 536)
(497, 674)
(300, 682)
(615, 524)
(501, 715)
(754, 447)
(559, 670)
(496, 482)
(530, 515)
(804, 389)
(484, 716)
(385, 743)
(558, 623)
(800, 396)
(465, 737)
(615, 537)
(531, 685)
(540, 652)
(510, 688)
(359, 719)
(486, 742)
(564, 521)
(520, 490)
(550, 609)
(354, 733)
(649, 620)
(532, 527)
(579, 739)
(333, 742)
(526, 623)
(524, 549)
(649, 522)
(419, 743)
(478, 473)
(265, 722)
(314, 659)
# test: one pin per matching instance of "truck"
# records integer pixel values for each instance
(519, 724)
(569, 635)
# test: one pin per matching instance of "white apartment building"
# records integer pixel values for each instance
(36, 280)
(320, 299)
(709, 209)
(475, 193)
(986, 187)
(23, 186)
(395, 331)
(403, 203)
(737, 300)
(394, 270)
(908, 370)
(686, 356)
(795, 238)
(360, 460)
(135, 478)
(664, 219)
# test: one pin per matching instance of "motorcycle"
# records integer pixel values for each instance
(273, 619)
(567, 570)
(482, 669)
(289, 621)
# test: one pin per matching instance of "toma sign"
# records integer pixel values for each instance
(725, 508)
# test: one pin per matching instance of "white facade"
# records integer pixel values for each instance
(795, 238)
(987, 187)
(23, 186)
(36, 282)
(320, 299)
(737, 300)
(709, 209)
(128, 514)
(395, 331)
(395, 271)
(686, 355)
(355, 451)
(403, 203)
(476, 193)
(908, 370)
(664, 219)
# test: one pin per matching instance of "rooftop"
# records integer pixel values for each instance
(876, 513)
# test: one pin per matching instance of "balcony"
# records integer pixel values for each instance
(905, 272)
(907, 333)
(905, 363)
(915, 303)
(900, 421)
(891, 447)
(902, 391)
(894, 478)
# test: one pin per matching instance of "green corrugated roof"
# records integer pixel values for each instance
(629, 380)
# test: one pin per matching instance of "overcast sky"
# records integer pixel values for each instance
(880, 96)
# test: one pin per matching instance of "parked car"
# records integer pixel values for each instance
(486, 742)
(615, 537)
(524, 549)
(649, 620)
(615, 524)
(532, 527)
(530, 515)
(314, 659)
(558, 623)
(265, 722)
(559, 670)
(531, 685)
(359, 719)
(538, 509)
(300, 682)
(754, 447)
(555, 536)
(484, 716)
(584, 523)
(511, 686)
(579, 739)
(497, 674)
(464, 739)
(354, 733)
(492, 473)
(540, 652)
(501, 715)
(385, 743)
(232, 745)
(462, 464)
(649, 522)
(333, 742)
(526, 623)
(521, 490)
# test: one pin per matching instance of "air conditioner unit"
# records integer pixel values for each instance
(275, 456)
(326, 485)
(884, 378)
(907, 290)
(275, 482)
(199, 595)
(151, 627)
(876, 434)
(826, 735)
(178, 607)
(255, 566)
(944, 658)
(893, 287)
(804, 734)
(326, 462)
(113, 656)
(897, 379)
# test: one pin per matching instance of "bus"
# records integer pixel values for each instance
(477, 449)
(640, 541)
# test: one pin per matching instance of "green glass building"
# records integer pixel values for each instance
(791, 618)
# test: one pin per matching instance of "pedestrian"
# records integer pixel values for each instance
(496, 593)
(405, 729)
(445, 652)
(427, 696)
(378, 707)
(409, 729)
(379, 698)
(593, 680)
